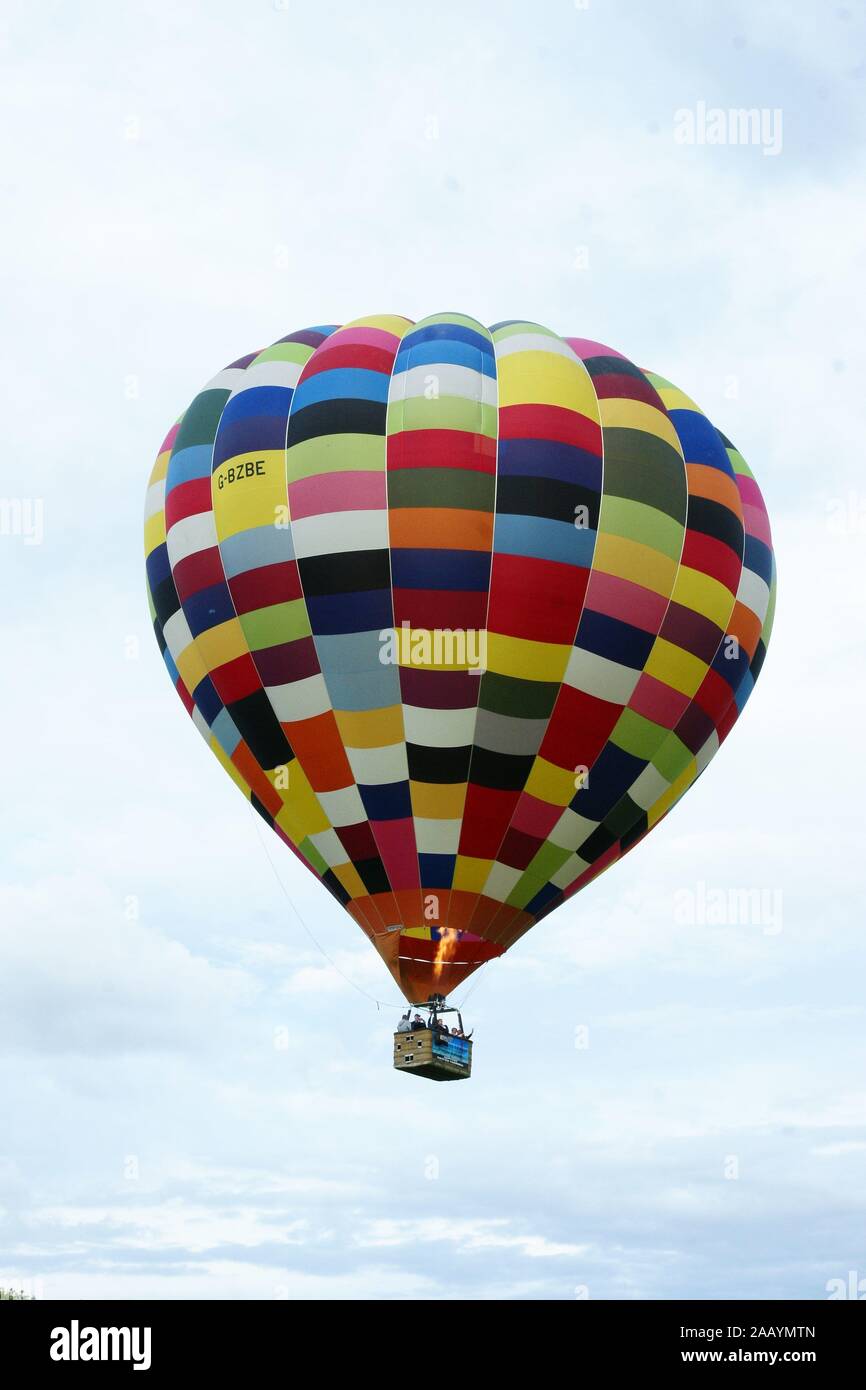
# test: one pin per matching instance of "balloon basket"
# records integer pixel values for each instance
(438, 1057)
(432, 1051)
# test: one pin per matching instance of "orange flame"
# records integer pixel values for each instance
(445, 950)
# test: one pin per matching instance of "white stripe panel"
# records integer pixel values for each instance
(272, 373)
(201, 724)
(336, 532)
(302, 699)
(534, 342)
(343, 807)
(230, 379)
(190, 535)
(754, 593)
(437, 836)
(331, 847)
(648, 787)
(154, 500)
(435, 379)
(439, 728)
(373, 767)
(596, 675)
(177, 634)
(571, 830)
(707, 752)
(569, 871)
(501, 880)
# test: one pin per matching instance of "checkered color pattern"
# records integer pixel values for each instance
(463, 611)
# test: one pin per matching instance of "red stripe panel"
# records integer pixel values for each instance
(187, 499)
(444, 608)
(485, 819)
(236, 679)
(200, 570)
(333, 355)
(269, 584)
(713, 557)
(579, 728)
(549, 422)
(428, 449)
(517, 580)
(610, 386)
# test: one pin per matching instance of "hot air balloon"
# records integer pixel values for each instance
(463, 611)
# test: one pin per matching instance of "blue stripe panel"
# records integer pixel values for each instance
(700, 440)
(352, 653)
(187, 464)
(207, 699)
(547, 458)
(172, 669)
(612, 774)
(390, 801)
(744, 690)
(437, 870)
(157, 566)
(732, 669)
(248, 550)
(208, 608)
(268, 431)
(335, 613)
(342, 384)
(758, 558)
(542, 539)
(461, 570)
(614, 639)
(446, 332)
(358, 690)
(544, 896)
(450, 353)
(256, 400)
(226, 732)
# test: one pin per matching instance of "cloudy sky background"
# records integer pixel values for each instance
(194, 1100)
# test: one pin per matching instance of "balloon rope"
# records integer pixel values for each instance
(380, 1003)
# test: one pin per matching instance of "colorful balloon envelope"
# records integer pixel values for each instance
(463, 611)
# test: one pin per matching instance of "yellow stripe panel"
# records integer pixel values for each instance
(160, 468)
(252, 501)
(545, 378)
(190, 666)
(673, 397)
(636, 415)
(154, 532)
(550, 783)
(624, 559)
(470, 875)
(221, 644)
(531, 661)
(675, 667)
(673, 793)
(437, 800)
(389, 323)
(351, 880)
(230, 767)
(703, 594)
(374, 728)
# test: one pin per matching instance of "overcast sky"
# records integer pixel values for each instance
(194, 1100)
